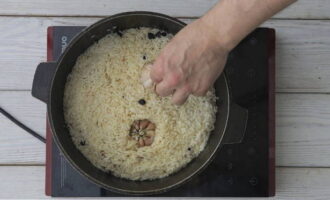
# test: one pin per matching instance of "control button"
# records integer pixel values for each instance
(253, 181)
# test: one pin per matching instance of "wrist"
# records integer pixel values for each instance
(223, 39)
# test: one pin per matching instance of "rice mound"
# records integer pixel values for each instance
(101, 102)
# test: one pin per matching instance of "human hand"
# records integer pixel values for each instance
(189, 64)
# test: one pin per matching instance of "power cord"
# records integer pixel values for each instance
(18, 123)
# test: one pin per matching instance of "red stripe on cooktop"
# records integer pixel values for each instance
(48, 178)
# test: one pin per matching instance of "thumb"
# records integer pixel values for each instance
(156, 72)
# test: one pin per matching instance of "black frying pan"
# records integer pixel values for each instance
(48, 86)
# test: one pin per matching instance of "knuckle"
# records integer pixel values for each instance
(174, 79)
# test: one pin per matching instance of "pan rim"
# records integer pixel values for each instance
(76, 166)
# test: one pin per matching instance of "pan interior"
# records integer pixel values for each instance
(61, 133)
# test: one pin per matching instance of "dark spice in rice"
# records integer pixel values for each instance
(151, 36)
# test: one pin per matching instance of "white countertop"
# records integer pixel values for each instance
(302, 85)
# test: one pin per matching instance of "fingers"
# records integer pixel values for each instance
(156, 72)
(169, 84)
(200, 93)
(199, 89)
(164, 88)
(199, 86)
(181, 95)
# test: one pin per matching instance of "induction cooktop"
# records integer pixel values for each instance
(246, 169)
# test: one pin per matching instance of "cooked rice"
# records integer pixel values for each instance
(101, 102)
